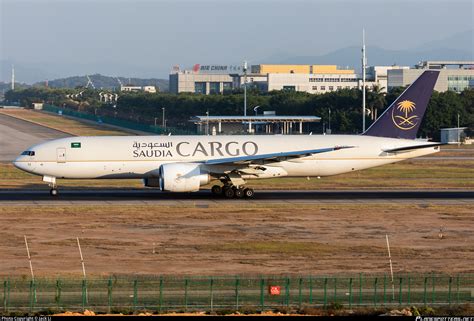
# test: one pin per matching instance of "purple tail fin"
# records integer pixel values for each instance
(403, 118)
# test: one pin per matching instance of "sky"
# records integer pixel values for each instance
(146, 38)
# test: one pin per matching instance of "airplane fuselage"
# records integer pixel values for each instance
(141, 156)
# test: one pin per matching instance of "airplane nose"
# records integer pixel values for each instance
(20, 164)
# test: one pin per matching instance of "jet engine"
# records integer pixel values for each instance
(151, 182)
(182, 177)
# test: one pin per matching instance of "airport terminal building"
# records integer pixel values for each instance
(454, 75)
(205, 79)
(213, 79)
(315, 79)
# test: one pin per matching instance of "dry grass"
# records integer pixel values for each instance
(250, 239)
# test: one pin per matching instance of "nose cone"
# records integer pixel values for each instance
(17, 163)
(21, 163)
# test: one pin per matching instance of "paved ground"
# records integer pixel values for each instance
(125, 197)
(17, 135)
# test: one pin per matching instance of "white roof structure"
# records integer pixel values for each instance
(258, 118)
(285, 123)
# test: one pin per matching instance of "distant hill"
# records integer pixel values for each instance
(351, 56)
(456, 47)
(105, 82)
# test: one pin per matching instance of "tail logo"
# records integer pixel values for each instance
(403, 116)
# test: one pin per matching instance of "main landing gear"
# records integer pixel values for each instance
(231, 191)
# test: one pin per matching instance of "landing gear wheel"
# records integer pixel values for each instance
(239, 193)
(53, 192)
(216, 189)
(229, 192)
(249, 193)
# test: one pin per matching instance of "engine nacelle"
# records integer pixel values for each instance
(182, 177)
(151, 182)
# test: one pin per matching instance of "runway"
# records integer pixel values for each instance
(137, 196)
(17, 135)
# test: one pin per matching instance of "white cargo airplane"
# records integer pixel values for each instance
(185, 163)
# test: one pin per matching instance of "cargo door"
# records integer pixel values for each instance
(61, 155)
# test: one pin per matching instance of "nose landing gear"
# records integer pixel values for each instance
(51, 183)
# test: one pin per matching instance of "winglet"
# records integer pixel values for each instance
(403, 117)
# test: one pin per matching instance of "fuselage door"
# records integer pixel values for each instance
(61, 155)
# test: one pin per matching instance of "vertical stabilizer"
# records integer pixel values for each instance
(403, 118)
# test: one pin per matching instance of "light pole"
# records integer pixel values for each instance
(364, 62)
(329, 125)
(245, 88)
(207, 123)
(459, 133)
(155, 120)
(164, 122)
(255, 109)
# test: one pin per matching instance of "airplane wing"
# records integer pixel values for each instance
(409, 148)
(273, 157)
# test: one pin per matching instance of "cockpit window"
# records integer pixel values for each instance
(28, 153)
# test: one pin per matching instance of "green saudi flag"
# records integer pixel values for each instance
(75, 145)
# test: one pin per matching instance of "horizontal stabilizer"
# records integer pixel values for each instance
(409, 148)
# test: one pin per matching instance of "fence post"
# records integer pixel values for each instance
(310, 290)
(325, 291)
(385, 289)
(409, 290)
(449, 290)
(5, 291)
(262, 293)
(400, 292)
(186, 281)
(350, 293)
(375, 291)
(58, 293)
(457, 289)
(135, 294)
(433, 289)
(360, 289)
(300, 294)
(32, 295)
(109, 294)
(287, 291)
(212, 293)
(161, 294)
(424, 291)
(237, 283)
(84, 294)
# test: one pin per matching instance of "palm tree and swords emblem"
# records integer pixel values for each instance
(402, 115)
